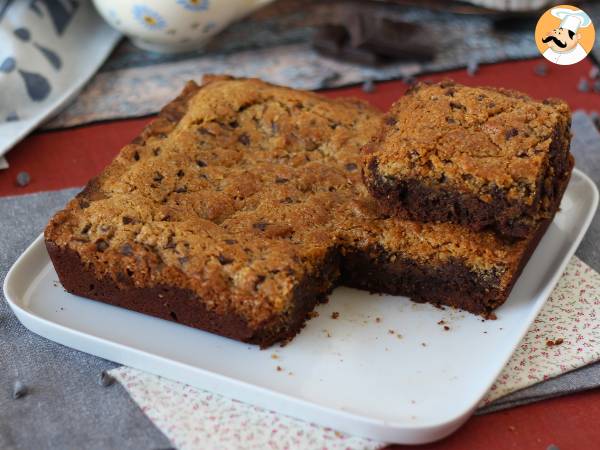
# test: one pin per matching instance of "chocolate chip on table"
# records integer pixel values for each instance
(472, 68)
(541, 69)
(19, 390)
(23, 179)
(583, 85)
(105, 379)
(368, 86)
(410, 80)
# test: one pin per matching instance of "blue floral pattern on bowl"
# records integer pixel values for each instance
(148, 17)
(194, 5)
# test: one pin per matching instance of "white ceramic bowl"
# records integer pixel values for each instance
(170, 26)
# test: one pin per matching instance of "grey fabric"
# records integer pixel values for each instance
(66, 407)
(586, 148)
(579, 380)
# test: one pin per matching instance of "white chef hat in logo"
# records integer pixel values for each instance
(571, 19)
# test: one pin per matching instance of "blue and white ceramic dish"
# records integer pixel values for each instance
(169, 26)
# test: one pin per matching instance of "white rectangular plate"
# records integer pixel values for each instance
(415, 384)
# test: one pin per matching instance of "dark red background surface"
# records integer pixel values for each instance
(67, 158)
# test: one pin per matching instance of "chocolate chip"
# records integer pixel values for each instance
(454, 105)
(390, 120)
(472, 68)
(126, 250)
(105, 379)
(260, 279)
(204, 131)
(230, 241)
(170, 243)
(181, 190)
(351, 167)
(368, 86)
(19, 390)
(180, 173)
(224, 260)
(86, 228)
(287, 200)
(234, 124)
(23, 179)
(136, 156)
(511, 133)
(101, 245)
(183, 260)
(157, 177)
(491, 105)
(260, 226)
(410, 80)
(83, 204)
(156, 151)
(541, 69)
(280, 180)
(450, 120)
(274, 128)
(583, 85)
(127, 220)
(450, 92)
(200, 163)
(244, 139)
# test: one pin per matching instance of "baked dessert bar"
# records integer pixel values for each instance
(242, 206)
(481, 157)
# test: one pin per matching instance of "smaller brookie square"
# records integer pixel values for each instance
(481, 157)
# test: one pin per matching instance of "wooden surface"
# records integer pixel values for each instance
(67, 158)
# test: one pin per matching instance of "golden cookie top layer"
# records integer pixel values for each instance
(238, 190)
(475, 139)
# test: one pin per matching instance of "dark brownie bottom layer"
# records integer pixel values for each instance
(183, 306)
(415, 200)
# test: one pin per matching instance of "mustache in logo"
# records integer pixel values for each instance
(555, 40)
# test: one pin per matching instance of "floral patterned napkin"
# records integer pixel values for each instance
(48, 50)
(565, 336)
